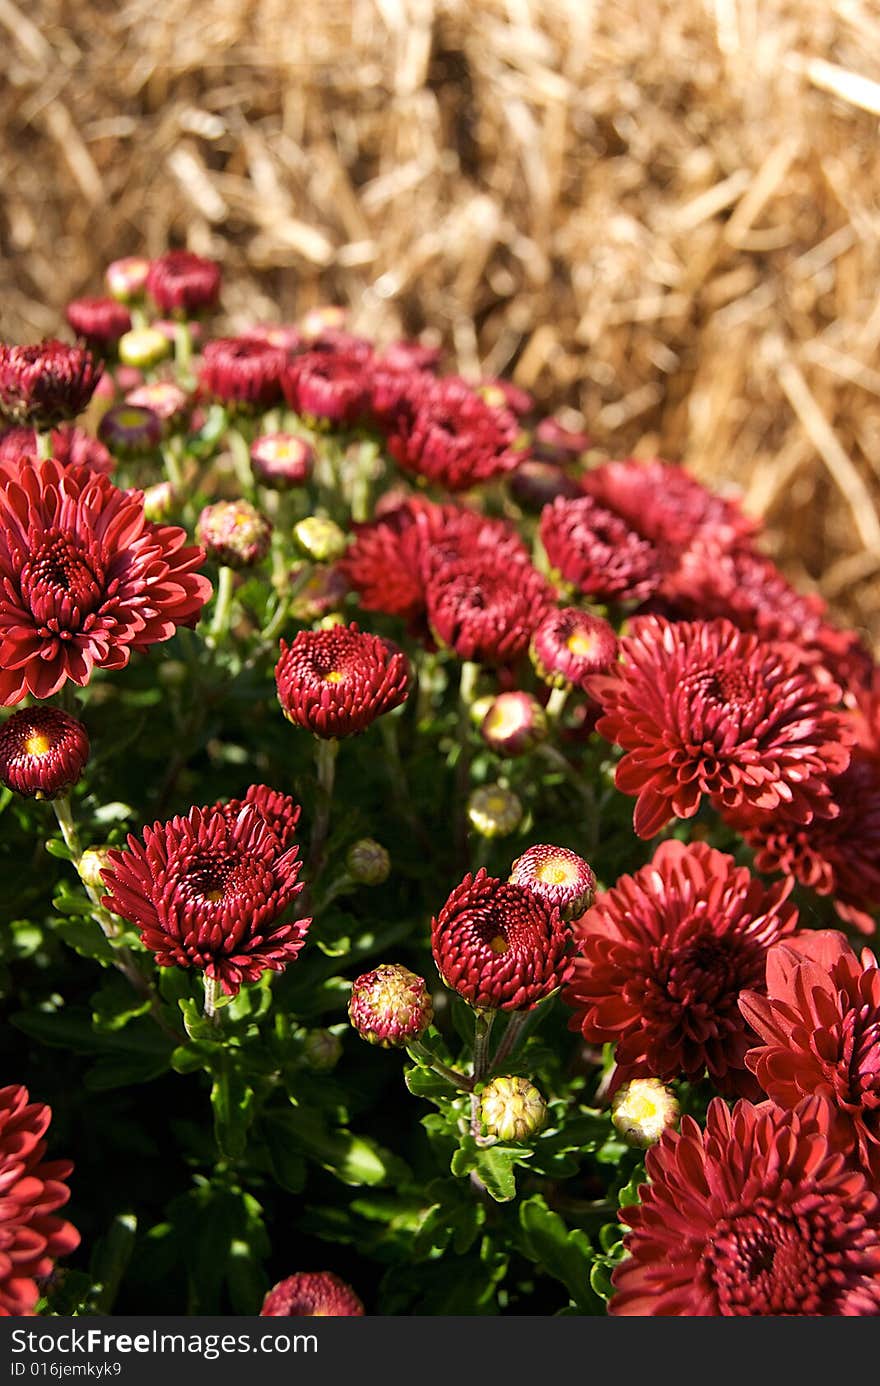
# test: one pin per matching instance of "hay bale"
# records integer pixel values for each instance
(661, 217)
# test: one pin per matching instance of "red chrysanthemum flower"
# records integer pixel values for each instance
(748, 589)
(43, 752)
(390, 1006)
(445, 432)
(31, 1237)
(558, 875)
(99, 321)
(755, 1216)
(569, 646)
(484, 609)
(71, 447)
(282, 460)
(275, 334)
(312, 1294)
(500, 946)
(127, 278)
(280, 812)
(238, 371)
(503, 394)
(331, 385)
(181, 282)
(538, 482)
(131, 430)
(336, 682)
(701, 708)
(665, 504)
(390, 559)
(162, 397)
(84, 579)
(46, 383)
(837, 856)
(407, 355)
(820, 1024)
(209, 890)
(663, 959)
(598, 553)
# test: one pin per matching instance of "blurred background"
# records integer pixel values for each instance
(659, 216)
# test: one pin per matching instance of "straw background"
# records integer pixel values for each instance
(659, 215)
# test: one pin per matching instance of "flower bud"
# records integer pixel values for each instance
(130, 430)
(320, 538)
(282, 460)
(367, 862)
(642, 1110)
(318, 593)
(143, 347)
(160, 501)
(322, 1050)
(43, 752)
(234, 533)
(558, 875)
(92, 862)
(512, 1109)
(514, 723)
(494, 811)
(312, 1294)
(390, 1006)
(126, 279)
(163, 397)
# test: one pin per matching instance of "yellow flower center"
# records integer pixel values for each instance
(37, 744)
(334, 676)
(556, 872)
(580, 643)
(498, 944)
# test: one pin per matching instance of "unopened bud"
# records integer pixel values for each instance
(322, 1050)
(143, 347)
(282, 460)
(234, 533)
(512, 1109)
(91, 864)
(320, 538)
(367, 862)
(160, 501)
(558, 875)
(642, 1110)
(494, 811)
(390, 1006)
(513, 724)
(126, 279)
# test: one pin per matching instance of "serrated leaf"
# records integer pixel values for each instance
(495, 1166)
(232, 1100)
(565, 1253)
(353, 1159)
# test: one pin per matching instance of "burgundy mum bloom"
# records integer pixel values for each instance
(31, 1237)
(239, 371)
(755, 1216)
(84, 579)
(558, 875)
(820, 1026)
(162, 397)
(282, 460)
(484, 609)
(180, 281)
(837, 856)
(46, 383)
(209, 890)
(666, 505)
(336, 682)
(537, 482)
(99, 321)
(43, 752)
(331, 385)
(663, 959)
(569, 646)
(131, 430)
(514, 724)
(702, 708)
(390, 1006)
(500, 946)
(280, 812)
(127, 278)
(71, 447)
(748, 589)
(391, 557)
(597, 551)
(445, 432)
(312, 1294)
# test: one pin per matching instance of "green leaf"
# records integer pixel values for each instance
(121, 1070)
(86, 939)
(424, 1082)
(287, 1161)
(110, 1257)
(115, 1004)
(495, 1165)
(563, 1252)
(353, 1159)
(57, 847)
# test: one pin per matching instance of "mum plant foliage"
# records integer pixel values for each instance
(440, 864)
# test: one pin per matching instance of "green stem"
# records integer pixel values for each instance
(210, 1007)
(556, 703)
(171, 463)
(325, 765)
(44, 443)
(467, 686)
(223, 606)
(452, 1075)
(183, 351)
(511, 1037)
(583, 788)
(240, 449)
(482, 1030)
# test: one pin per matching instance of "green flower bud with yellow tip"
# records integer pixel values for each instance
(320, 538)
(512, 1109)
(494, 811)
(367, 862)
(143, 347)
(642, 1110)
